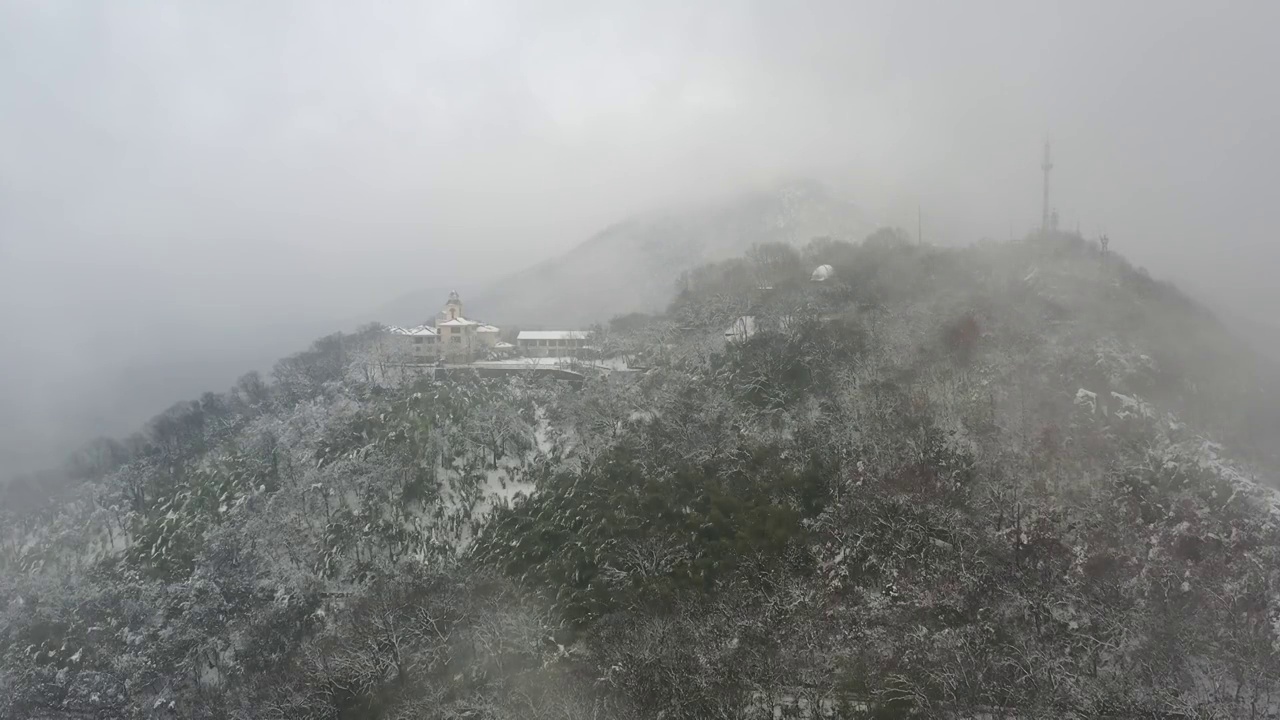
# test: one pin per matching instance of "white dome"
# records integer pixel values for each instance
(823, 272)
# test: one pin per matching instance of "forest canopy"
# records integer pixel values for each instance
(1021, 476)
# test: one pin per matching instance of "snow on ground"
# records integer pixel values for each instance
(505, 483)
(542, 431)
(502, 485)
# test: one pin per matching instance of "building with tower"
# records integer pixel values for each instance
(451, 337)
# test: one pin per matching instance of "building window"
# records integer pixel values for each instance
(456, 339)
(418, 340)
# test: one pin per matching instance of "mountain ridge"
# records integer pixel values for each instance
(1020, 475)
(632, 265)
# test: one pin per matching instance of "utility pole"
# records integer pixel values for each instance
(1047, 165)
(919, 226)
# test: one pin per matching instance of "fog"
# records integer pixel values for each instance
(191, 190)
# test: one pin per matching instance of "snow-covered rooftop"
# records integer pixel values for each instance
(487, 329)
(552, 335)
(457, 322)
(419, 330)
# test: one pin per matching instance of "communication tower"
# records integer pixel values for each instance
(1047, 166)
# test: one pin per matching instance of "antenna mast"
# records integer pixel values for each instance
(1047, 165)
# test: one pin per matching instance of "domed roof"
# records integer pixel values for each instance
(822, 272)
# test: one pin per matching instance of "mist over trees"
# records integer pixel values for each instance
(1012, 477)
(191, 191)
(835, 441)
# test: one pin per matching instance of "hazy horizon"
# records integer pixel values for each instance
(191, 190)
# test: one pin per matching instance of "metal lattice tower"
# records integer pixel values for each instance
(1047, 166)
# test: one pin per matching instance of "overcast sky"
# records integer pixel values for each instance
(179, 178)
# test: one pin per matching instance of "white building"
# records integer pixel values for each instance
(452, 337)
(418, 344)
(552, 343)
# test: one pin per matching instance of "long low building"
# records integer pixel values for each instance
(546, 343)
